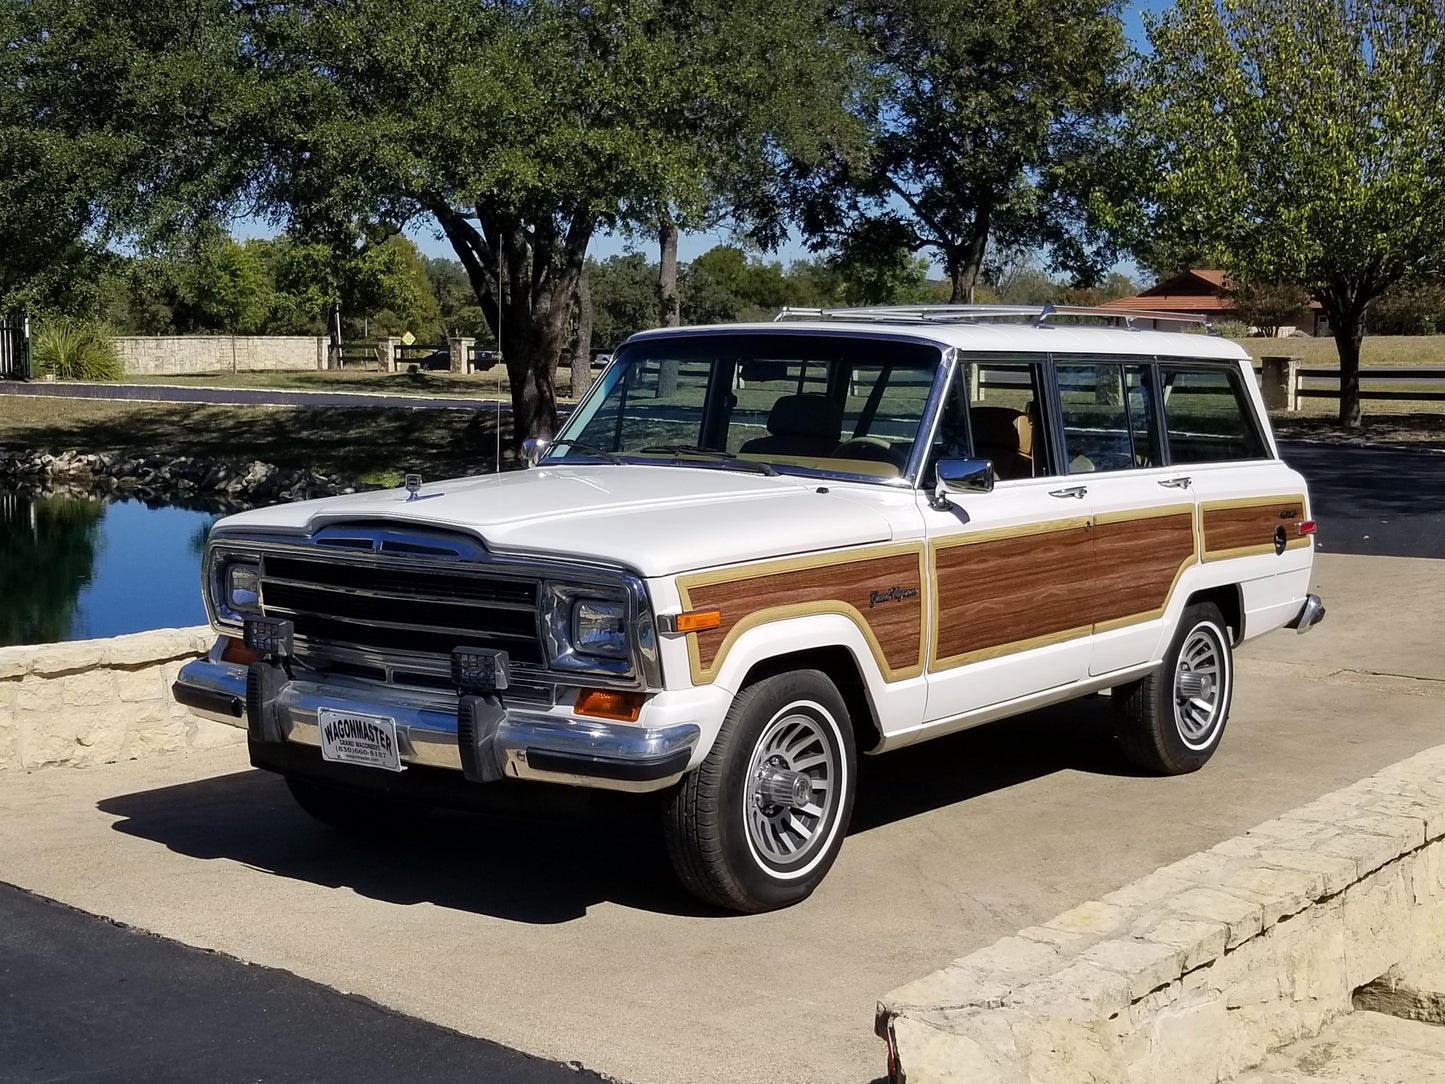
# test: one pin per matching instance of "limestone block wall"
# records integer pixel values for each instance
(180, 354)
(98, 701)
(1197, 971)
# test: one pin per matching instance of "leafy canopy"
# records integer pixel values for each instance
(986, 121)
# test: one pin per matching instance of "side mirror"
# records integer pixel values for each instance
(961, 476)
(532, 449)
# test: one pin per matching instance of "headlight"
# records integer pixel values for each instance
(599, 627)
(587, 629)
(236, 587)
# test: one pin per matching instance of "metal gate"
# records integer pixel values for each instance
(15, 347)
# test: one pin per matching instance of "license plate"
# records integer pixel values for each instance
(352, 737)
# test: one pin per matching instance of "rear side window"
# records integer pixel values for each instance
(1108, 417)
(1207, 419)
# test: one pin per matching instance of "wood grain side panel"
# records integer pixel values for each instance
(1009, 593)
(1239, 528)
(1139, 560)
(886, 594)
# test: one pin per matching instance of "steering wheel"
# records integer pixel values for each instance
(872, 450)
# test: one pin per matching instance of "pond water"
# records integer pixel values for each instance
(77, 567)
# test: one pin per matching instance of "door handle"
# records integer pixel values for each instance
(1175, 483)
(1071, 491)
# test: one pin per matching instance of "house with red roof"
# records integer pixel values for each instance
(1201, 292)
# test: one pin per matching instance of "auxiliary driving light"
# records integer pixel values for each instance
(270, 635)
(479, 669)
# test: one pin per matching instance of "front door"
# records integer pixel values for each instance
(1011, 569)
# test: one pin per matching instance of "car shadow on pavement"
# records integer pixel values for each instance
(550, 868)
(1074, 736)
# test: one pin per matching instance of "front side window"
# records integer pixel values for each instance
(845, 405)
(1207, 419)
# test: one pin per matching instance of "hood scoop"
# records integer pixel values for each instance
(398, 541)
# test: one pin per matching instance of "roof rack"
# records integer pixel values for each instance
(973, 314)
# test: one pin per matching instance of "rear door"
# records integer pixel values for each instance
(1144, 525)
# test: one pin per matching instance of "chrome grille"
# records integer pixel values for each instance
(363, 604)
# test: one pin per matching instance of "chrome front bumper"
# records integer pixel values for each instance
(1310, 615)
(548, 746)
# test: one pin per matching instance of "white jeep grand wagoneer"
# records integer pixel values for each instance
(754, 552)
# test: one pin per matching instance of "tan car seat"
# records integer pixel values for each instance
(1006, 436)
(800, 425)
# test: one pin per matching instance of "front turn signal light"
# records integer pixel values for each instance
(237, 652)
(609, 704)
(693, 621)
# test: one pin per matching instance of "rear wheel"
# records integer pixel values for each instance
(759, 823)
(1171, 721)
(354, 812)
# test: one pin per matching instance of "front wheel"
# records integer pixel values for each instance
(759, 823)
(1171, 721)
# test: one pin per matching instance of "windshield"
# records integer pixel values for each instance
(773, 402)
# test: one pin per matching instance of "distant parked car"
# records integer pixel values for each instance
(601, 361)
(437, 361)
(482, 360)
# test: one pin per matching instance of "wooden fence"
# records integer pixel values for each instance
(1285, 383)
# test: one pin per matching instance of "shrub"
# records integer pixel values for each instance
(1231, 329)
(73, 349)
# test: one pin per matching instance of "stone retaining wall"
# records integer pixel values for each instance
(1195, 972)
(98, 701)
(144, 355)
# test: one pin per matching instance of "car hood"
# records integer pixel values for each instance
(653, 520)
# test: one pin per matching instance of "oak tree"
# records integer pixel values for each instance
(985, 122)
(1306, 142)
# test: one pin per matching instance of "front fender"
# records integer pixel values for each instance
(895, 694)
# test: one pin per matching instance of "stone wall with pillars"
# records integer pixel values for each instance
(160, 355)
(98, 701)
(1194, 973)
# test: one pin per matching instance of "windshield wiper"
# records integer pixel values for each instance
(590, 449)
(730, 459)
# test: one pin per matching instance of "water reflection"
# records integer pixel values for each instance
(74, 566)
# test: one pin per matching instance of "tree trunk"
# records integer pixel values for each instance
(582, 347)
(965, 260)
(1346, 309)
(525, 278)
(668, 304)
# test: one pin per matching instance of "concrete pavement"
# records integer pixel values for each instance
(572, 941)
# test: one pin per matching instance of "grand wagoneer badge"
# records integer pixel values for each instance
(893, 594)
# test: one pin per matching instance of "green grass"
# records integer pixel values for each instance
(1374, 350)
(489, 385)
(482, 385)
(369, 444)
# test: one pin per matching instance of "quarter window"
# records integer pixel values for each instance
(1208, 420)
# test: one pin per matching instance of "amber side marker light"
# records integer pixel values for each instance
(697, 620)
(237, 652)
(606, 704)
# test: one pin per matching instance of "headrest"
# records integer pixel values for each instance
(1000, 428)
(805, 416)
